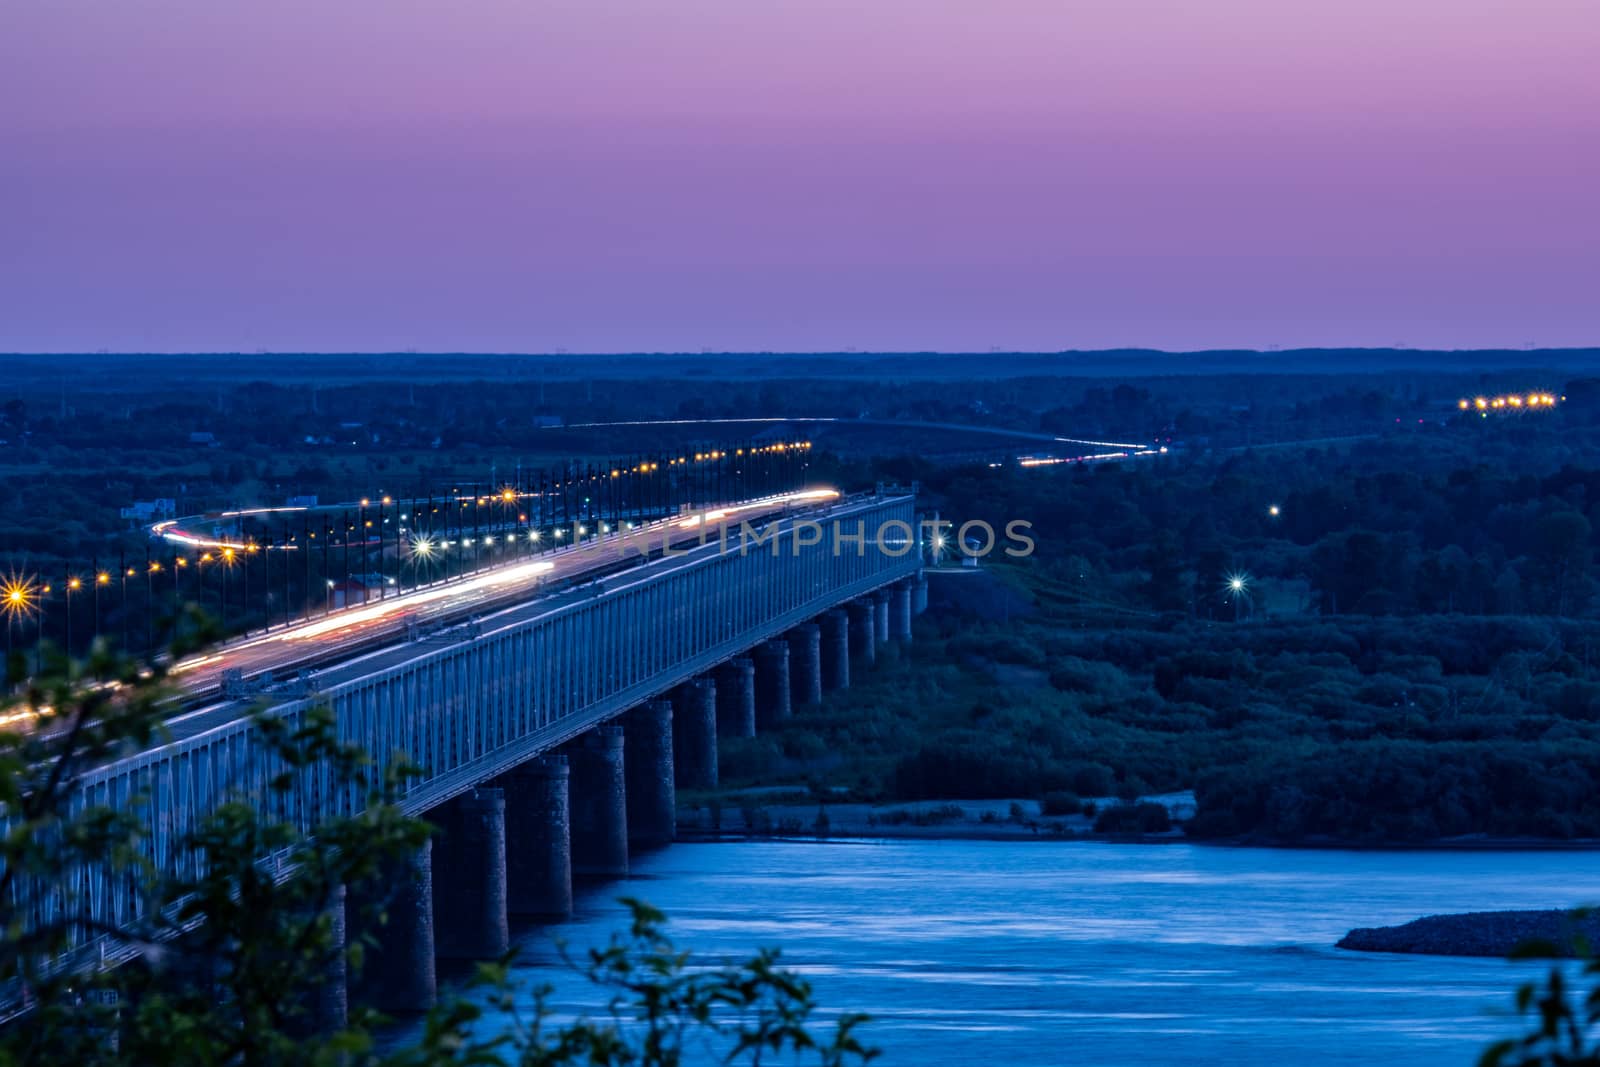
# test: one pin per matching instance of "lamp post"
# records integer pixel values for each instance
(73, 584)
(101, 579)
(150, 568)
(228, 556)
(17, 596)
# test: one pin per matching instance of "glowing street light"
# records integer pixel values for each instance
(18, 596)
(1237, 589)
(1274, 511)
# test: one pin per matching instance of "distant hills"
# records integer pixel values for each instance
(112, 370)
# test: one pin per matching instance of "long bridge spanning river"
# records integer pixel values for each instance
(552, 727)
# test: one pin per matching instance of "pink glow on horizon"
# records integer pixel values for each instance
(624, 174)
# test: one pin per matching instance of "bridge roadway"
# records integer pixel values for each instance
(317, 642)
(478, 708)
(356, 642)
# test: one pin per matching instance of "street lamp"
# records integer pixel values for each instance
(103, 578)
(18, 594)
(73, 585)
(1237, 588)
(228, 556)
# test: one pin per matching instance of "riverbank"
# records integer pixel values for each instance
(1481, 933)
(769, 813)
(789, 813)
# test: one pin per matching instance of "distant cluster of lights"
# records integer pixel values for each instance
(1509, 402)
(169, 529)
(510, 495)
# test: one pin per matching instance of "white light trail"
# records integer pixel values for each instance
(1099, 444)
(383, 608)
(804, 496)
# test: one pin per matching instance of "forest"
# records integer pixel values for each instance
(1385, 641)
(1348, 607)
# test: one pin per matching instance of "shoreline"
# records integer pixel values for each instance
(1007, 819)
(701, 835)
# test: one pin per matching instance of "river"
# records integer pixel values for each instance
(1034, 953)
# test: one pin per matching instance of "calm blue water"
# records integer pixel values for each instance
(1052, 952)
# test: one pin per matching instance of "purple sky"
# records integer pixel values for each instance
(621, 175)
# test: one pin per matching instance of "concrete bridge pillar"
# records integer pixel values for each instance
(469, 876)
(900, 598)
(805, 665)
(736, 699)
(694, 734)
(772, 684)
(880, 615)
(863, 631)
(599, 804)
(398, 973)
(538, 841)
(331, 1004)
(919, 594)
(652, 798)
(835, 649)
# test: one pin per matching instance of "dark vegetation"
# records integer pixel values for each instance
(1367, 730)
(1411, 656)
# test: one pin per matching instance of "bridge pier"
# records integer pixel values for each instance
(863, 631)
(331, 1004)
(805, 665)
(469, 874)
(398, 974)
(919, 594)
(694, 734)
(880, 615)
(652, 798)
(772, 683)
(835, 649)
(736, 698)
(900, 598)
(538, 839)
(599, 804)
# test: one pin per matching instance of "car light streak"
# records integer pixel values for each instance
(359, 616)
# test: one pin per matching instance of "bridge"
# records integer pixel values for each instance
(553, 729)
